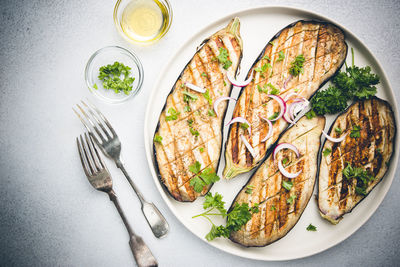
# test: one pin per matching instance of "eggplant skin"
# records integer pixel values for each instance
(278, 215)
(324, 48)
(371, 151)
(195, 135)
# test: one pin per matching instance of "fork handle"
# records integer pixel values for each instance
(141, 252)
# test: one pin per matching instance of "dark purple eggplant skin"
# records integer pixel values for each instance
(163, 109)
(330, 131)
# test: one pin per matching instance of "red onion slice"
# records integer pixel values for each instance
(218, 100)
(286, 173)
(238, 83)
(282, 106)
(286, 146)
(248, 146)
(270, 130)
(335, 140)
(280, 166)
(241, 120)
(287, 97)
(286, 81)
(195, 88)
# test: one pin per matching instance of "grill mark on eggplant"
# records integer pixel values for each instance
(364, 153)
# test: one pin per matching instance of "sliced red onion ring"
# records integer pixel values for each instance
(335, 140)
(248, 146)
(282, 106)
(241, 120)
(280, 166)
(302, 113)
(287, 97)
(270, 130)
(286, 146)
(286, 81)
(238, 83)
(218, 100)
(195, 88)
(286, 173)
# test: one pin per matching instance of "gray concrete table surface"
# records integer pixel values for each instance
(51, 216)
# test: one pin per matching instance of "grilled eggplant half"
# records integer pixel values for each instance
(281, 201)
(349, 170)
(278, 70)
(188, 130)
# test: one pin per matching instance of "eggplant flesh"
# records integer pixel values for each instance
(280, 208)
(324, 50)
(189, 130)
(369, 148)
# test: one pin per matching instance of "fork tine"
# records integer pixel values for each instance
(84, 165)
(103, 165)
(95, 156)
(91, 122)
(97, 120)
(103, 118)
(82, 120)
(88, 158)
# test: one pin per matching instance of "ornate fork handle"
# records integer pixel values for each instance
(155, 219)
(142, 254)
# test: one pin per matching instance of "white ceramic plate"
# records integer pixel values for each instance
(258, 26)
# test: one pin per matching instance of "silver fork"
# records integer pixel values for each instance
(99, 177)
(109, 143)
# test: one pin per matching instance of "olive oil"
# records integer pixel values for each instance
(144, 20)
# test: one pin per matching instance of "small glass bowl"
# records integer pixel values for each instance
(108, 55)
(167, 13)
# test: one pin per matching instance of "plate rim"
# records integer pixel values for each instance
(221, 20)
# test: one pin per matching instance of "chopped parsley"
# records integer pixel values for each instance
(273, 207)
(274, 90)
(187, 108)
(95, 86)
(354, 83)
(355, 132)
(194, 132)
(116, 77)
(297, 66)
(287, 185)
(266, 57)
(201, 179)
(173, 114)
(190, 122)
(208, 97)
(338, 130)
(236, 218)
(223, 58)
(224, 83)
(281, 56)
(326, 152)
(284, 161)
(311, 227)
(263, 68)
(291, 199)
(187, 96)
(362, 177)
(274, 116)
(204, 74)
(244, 126)
(211, 113)
(249, 189)
(158, 139)
(201, 149)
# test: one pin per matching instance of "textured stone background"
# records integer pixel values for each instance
(51, 216)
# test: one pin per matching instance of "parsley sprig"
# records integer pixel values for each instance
(362, 177)
(236, 218)
(202, 178)
(223, 58)
(297, 65)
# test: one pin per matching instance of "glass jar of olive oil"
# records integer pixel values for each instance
(143, 21)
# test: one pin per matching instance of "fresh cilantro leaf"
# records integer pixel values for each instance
(326, 152)
(355, 132)
(215, 201)
(311, 227)
(194, 132)
(195, 167)
(338, 130)
(311, 114)
(249, 189)
(287, 185)
(223, 58)
(281, 56)
(197, 184)
(158, 139)
(238, 217)
(173, 115)
(297, 65)
(208, 97)
(209, 176)
(291, 199)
